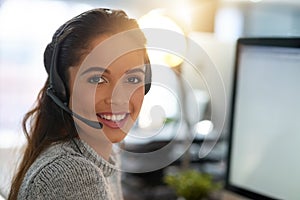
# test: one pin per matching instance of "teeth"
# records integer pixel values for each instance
(113, 117)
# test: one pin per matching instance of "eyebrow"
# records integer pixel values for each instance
(101, 69)
(134, 70)
(97, 69)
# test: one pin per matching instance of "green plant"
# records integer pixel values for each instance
(192, 184)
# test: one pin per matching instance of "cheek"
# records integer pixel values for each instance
(81, 97)
(136, 100)
(81, 93)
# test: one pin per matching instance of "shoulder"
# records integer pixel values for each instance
(59, 161)
(64, 176)
(68, 166)
(68, 169)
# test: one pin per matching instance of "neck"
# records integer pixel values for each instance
(101, 145)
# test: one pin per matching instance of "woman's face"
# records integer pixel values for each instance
(110, 91)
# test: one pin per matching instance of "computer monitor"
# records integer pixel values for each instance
(264, 139)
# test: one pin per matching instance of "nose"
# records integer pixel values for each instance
(117, 96)
(115, 100)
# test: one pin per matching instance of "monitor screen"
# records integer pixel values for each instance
(264, 142)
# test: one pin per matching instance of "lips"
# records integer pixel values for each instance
(113, 120)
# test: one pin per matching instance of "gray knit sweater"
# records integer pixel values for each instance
(62, 172)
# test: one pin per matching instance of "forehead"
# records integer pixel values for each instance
(129, 60)
(111, 50)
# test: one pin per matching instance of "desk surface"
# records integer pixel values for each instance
(227, 195)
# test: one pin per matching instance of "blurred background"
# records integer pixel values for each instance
(177, 110)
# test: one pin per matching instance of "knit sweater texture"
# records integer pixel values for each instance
(63, 172)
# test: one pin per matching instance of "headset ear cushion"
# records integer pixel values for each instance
(148, 78)
(56, 82)
(148, 74)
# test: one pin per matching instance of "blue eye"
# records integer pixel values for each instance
(134, 80)
(96, 80)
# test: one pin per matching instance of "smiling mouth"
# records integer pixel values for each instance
(113, 117)
(113, 120)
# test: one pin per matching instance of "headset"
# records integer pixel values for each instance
(57, 88)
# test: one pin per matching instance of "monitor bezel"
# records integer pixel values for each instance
(291, 42)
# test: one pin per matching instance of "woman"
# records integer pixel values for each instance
(98, 73)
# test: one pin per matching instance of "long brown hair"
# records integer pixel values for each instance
(46, 123)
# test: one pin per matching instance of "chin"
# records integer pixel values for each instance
(119, 137)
